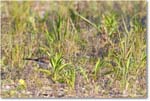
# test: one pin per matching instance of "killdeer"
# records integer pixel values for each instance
(43, 62)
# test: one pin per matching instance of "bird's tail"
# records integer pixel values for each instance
(30, 59)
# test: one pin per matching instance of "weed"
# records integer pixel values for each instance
(99, 64)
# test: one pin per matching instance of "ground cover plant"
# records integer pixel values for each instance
(92, 49)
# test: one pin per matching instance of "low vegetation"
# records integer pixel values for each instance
(96, 49)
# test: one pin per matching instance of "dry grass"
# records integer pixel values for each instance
(97, 49)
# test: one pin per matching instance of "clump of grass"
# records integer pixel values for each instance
(110, 23)
(97, 68)
(126, 58)
(59, 71)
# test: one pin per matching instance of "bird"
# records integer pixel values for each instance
(43, 62)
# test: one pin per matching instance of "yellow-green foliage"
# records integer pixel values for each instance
(90, 44)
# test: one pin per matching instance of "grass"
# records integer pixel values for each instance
(96, 49)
